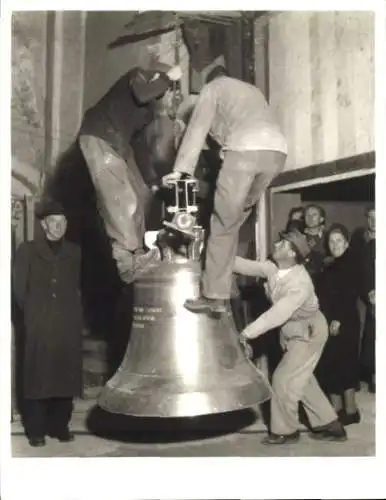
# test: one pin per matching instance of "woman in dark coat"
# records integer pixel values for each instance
(339, 289)
(45, 282)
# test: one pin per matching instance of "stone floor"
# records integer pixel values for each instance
(99, 434)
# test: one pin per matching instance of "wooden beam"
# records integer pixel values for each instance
(315, 173)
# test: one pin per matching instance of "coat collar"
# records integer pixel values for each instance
(44, 250)
(319, 234)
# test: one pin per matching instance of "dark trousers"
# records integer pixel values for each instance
(46, 416)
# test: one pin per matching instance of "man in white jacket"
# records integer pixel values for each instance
(304, 332)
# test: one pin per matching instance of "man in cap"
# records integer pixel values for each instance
(46, 289)
(123, 190)
(304, 332)
(239, 119)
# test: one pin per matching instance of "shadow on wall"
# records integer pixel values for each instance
(100, 284)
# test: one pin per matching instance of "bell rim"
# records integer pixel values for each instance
(138, 404)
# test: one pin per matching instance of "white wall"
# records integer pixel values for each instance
(322, 83)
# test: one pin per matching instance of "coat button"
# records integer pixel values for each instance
(54, 295)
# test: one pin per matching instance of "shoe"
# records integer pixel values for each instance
(333, 431)
(63, 437)
(272, 438)
(205, 305)
(37, 442)
(341, 415)
(351, 418)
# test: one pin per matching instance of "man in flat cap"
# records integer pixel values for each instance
(123, 189)
(304, 332)
(237, 116)
(46, 289)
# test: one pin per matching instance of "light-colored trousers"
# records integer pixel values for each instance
(243, 178)
(122, 198)
(294, 380)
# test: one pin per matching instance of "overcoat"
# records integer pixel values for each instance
(46, 288)
(339, 289)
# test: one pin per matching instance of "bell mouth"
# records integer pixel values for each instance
(147, 403)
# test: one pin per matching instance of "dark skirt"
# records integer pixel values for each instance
(338, 368)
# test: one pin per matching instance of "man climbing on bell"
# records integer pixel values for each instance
(123, 189)
(239, 119)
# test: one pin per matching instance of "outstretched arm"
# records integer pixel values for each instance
(249, 267)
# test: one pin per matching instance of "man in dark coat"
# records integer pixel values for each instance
(124, 190)
(363, 244)
(45, 280)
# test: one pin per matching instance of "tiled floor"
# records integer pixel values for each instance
(233, 435)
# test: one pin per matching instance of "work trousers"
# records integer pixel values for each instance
(294, 381)
(123, 197)
(46, 416)
(243, 178)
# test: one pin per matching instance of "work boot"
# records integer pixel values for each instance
(351, 418)
(341, 415)
(36, 441)
(64, 436)
(205, 305)
(273, 439)
(334, 431)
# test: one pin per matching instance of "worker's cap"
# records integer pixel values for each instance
(298, 241)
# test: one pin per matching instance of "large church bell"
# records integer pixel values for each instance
(177, 363)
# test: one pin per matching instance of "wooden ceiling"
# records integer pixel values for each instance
(144, 21)
(225, 17)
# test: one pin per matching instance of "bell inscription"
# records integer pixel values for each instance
(144, 315)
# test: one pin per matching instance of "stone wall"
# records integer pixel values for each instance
(28, 100)
(47, 92)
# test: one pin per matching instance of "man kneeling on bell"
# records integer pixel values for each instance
(304, 332)
(124, 190)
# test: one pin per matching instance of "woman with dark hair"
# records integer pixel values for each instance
(338, 369)
(296, 219)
